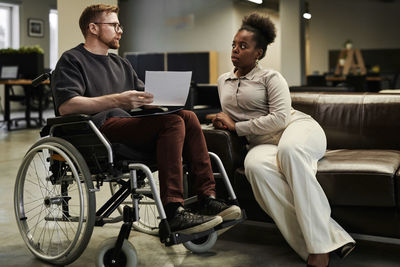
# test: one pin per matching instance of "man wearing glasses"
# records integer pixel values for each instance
(89, 80)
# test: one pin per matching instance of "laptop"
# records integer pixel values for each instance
(9, 73)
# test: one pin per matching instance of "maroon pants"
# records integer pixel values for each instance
(171, 136)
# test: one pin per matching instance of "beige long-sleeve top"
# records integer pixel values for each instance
(259, 103)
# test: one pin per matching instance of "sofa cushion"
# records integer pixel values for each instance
(359, 177)
(397, 182)
(354, 120)
(349, 178)
(381, 122)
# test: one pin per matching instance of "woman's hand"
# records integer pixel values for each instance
(223, 121)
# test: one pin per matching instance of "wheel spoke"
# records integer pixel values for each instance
(34, 208)
(37, 222)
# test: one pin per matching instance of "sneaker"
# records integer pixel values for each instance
(212, 206)
(186, 222)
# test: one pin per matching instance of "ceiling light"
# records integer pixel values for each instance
(307, 15)
(256, 1)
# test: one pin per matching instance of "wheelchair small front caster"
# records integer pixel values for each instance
(127, 256)
(202, 244)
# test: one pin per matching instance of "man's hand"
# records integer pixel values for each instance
(89, 105)
(133, 99)
(223, 121)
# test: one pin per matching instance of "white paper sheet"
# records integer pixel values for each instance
(170, 88)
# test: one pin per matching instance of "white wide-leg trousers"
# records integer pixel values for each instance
(283, 179)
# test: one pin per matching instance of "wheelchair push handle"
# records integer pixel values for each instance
(38, 80)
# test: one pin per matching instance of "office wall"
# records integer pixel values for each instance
(69, 11)
(370, 24)
(187, 25)
(35, 9)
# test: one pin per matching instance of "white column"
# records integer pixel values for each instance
(292, 41)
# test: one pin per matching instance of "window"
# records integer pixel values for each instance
(9, 26)
(53, 19)
(5, 28)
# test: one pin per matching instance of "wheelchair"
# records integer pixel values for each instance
(55, 195)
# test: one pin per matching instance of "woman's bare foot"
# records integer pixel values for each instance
(318, 260)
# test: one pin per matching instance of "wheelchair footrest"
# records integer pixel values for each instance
(174, 238)
(178, 238)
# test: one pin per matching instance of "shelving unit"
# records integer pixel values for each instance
(353, 63)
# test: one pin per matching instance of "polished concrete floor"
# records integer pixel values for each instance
(249, 244)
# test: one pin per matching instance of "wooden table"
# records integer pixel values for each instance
(27, 84)
(343, 78)
(372, 83)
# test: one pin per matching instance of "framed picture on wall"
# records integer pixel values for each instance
(35, 28)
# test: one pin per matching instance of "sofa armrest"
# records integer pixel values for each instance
(228, 146)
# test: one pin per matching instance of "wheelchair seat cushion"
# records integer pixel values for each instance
(124, 155)
(124, 152)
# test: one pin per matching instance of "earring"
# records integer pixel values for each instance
(257, 60)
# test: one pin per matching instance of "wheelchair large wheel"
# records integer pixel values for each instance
(148, 214)
(127, 257)
(54, 201)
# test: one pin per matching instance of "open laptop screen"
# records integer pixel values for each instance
(9, 72)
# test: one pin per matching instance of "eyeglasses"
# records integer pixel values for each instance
(117, 26)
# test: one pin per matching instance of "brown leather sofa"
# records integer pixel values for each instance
(360, 172)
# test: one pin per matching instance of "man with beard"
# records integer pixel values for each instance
(89, 80)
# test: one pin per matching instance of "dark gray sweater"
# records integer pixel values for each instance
(81, 73)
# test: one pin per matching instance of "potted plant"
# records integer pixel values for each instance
(29, 60)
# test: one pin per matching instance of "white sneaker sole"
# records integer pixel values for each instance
(231, 213)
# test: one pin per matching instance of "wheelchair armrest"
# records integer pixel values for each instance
(72, 118)
(68, 119)
(75, 128)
